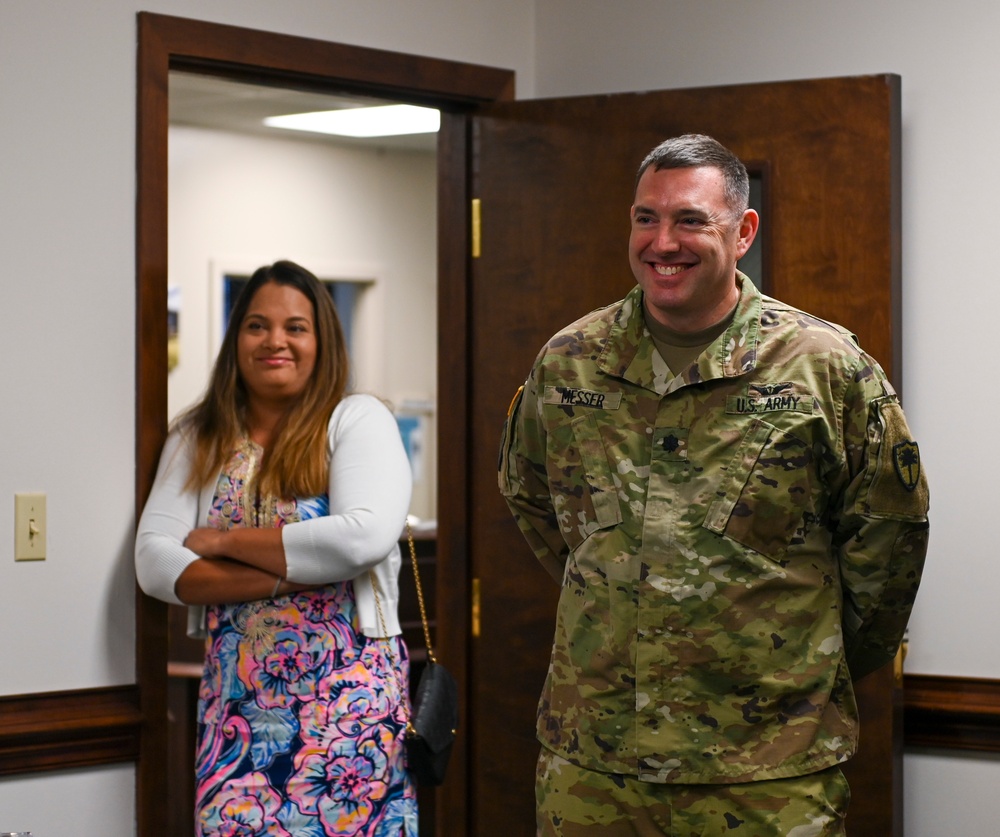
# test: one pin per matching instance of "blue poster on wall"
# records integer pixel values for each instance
(411, 431)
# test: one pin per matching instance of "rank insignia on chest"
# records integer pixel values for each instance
(771, 398)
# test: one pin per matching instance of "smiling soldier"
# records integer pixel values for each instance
(729, 495)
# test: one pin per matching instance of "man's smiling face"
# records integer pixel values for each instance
(684, 245)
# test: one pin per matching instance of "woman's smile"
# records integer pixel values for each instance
(277, 346)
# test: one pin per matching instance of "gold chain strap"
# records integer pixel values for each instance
(420, 594)
(423, 615)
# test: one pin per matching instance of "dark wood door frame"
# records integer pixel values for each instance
(171, 43)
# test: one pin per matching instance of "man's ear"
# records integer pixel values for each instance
(749, 224)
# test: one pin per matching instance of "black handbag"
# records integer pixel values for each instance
(433, 723)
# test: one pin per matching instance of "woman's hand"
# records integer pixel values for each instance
(227, 571)
(207, 542)
(237, 565)
(260, 548)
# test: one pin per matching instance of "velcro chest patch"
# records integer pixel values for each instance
(577, 397)
(771, 398)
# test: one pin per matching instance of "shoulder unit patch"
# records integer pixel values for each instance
(906, 458)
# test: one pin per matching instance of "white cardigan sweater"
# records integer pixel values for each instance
(369, 489)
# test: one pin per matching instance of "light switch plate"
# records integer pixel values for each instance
(29, 527)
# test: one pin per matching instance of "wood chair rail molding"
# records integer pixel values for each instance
(955, 713)
(89, 727)
(67, 730)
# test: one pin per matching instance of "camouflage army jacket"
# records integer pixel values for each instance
(732, 543)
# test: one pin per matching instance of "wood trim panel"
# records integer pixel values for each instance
(955, 713)
(88, 727)
(150, 403)
(64, 730)
(306, 63)
(454, 642)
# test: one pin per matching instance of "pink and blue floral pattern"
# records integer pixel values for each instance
(301, 717)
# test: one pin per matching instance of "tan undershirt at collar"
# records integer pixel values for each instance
(678, 350)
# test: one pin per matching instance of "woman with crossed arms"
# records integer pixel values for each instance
(276, 513)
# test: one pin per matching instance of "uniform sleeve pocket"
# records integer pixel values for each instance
(895, 486)
(764, 492)
(581, 478)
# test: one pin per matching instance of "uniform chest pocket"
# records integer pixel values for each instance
(581, 480)
(765, 491)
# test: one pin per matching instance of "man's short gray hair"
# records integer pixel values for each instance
(695, 150)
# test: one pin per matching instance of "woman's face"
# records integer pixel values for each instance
(276, 345)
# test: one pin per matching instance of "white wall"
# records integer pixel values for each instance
(95, 802)
(950, 68)
(67, 417)
(238, 202)
(950, 793)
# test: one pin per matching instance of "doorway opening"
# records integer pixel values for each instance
(357, 212)
(169, 44)
(241, 195)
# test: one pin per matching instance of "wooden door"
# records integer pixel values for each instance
(555, 178)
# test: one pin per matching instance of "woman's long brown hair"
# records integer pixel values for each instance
(296, 465)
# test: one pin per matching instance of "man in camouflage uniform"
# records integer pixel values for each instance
(729, 495)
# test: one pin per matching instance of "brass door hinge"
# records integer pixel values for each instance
(897, 667)
(475, 608)
(476, 228)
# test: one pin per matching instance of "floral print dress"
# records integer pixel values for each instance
(300, 716)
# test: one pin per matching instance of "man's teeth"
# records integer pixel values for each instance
(669, 270)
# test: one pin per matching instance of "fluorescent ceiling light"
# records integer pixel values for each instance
(381, 121)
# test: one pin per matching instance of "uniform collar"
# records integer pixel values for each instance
(630, 354)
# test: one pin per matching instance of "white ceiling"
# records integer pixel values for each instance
(210, 102)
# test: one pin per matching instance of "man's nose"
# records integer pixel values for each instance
(665, 239)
